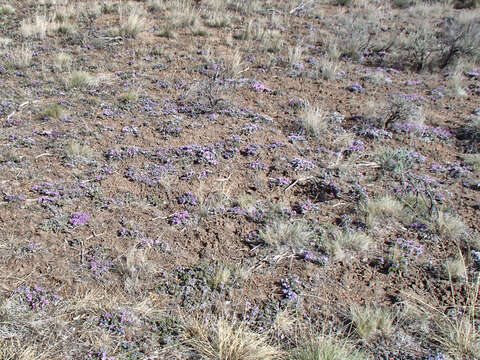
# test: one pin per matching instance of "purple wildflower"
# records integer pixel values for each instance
(78, 218)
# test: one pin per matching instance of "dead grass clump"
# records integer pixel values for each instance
(382, 207)
(74, 150)
(21, 58)
(328, 347)
(370, 321)
(62, 62)
(281, 232)
(327, 69)
(233, 64)
(294, 54)
(221, 339)
(313, 121)
(455, 269)
(449, 227)
(272, 41)
(454, 84)
(131, 23)
(81, 79)
(7, 9)
(38, 27)
(218, 20)
(354, 240)
(349, 241)
(13, 349)
(473, 160)
(53, 111)
(456, 330)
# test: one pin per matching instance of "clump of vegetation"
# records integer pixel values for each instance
(80, 79)
(223, 339)
(281, 232)
(328, 347)
(370, 321)
(382, 207)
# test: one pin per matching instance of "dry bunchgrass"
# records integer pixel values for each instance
(473, 160)
(449, 227)
(454, 84)
(38, 27)
(222, 273)
(282, 232)
(294, 54)
(457, 334)
(370, 321)
(272, 41)
(62, 62)
(219, 338)
(313, 121)
(81, 79)
(76, 150)
(21, 58)
(455, 269)
(7, 9)
(382, 207)
(13, 349)
(132, 22)
(348, 241)
(53, 111)
(234, 64)
(328, 347)
(327, 69)
(4, 42)
(218, 20)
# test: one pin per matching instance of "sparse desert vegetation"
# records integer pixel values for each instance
(239, 179)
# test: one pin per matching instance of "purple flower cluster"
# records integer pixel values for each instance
(260, 87)
(200, 154)
(257, 165)
(157, 243)
(187, 199)
(289, 288)
(373, 132)
(250, 128)
(476, 258)
(303, 207)
(356, 87)
(419, 226)
(295, 137)
(250, 150)
(113, 322)
(97, 264)
(36, 297)
(98, 355)
(130, 129)
(298, 164)
(412, 249)
(199, 175)
(151, 174)
(125, 153)
(421, 130)
(310, 256)
(78, 218)
(356, 145)
(298, 103)
(437, 356)
(178, 218)
(279, 181)
(13, 197)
